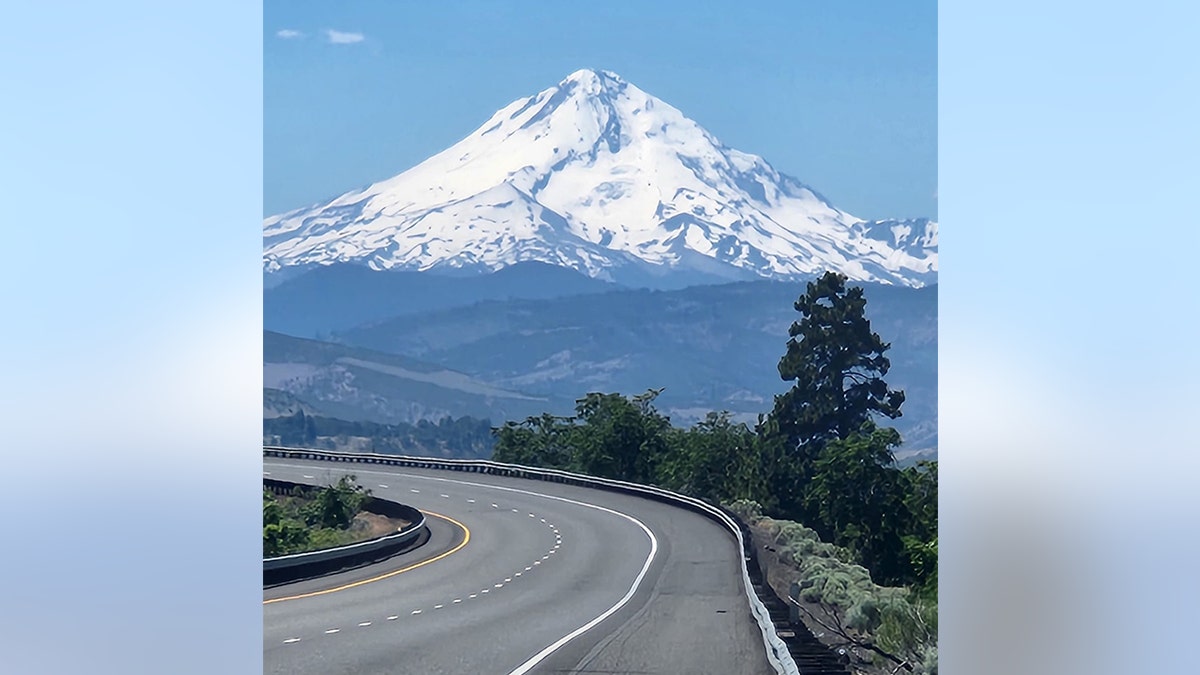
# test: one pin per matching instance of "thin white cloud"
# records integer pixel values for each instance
(337, 37)
(288, 34)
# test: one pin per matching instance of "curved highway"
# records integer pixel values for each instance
(520, 576)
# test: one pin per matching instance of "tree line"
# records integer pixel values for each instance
(819, 457)
(448, 437)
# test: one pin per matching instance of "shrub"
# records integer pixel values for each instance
(895, 619)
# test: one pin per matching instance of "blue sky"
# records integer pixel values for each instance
(842, 96)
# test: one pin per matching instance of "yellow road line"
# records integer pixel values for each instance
(466, 538)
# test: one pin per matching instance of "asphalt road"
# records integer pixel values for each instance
(520, 576)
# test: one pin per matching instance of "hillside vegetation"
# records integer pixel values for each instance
(297, 523)
(890, 628)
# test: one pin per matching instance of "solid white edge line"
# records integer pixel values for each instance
(542, 655)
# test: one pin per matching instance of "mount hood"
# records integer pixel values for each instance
(596, 175)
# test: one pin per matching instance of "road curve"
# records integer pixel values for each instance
(540, 578)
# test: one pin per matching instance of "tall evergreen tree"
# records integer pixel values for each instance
(836, 364)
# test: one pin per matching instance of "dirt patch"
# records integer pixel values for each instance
(368, 525)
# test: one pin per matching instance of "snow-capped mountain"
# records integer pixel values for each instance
(596, 175)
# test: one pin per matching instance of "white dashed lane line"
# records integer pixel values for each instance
(457, 601)
(383, 486)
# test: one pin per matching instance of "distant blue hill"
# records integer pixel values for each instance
(712, 347)
(338, 297)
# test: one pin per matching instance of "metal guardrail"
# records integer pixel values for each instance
(777, 651)
(294, 565)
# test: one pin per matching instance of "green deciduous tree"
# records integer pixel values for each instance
(336, 505)
(715, 459)
(280, 535)
(857, 498)
(620, 437)
(536, 441)
(920, 500)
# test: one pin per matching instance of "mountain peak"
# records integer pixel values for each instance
(590, 76)
(596, 175)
